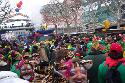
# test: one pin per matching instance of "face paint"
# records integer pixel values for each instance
(27, 72)
(78, 75)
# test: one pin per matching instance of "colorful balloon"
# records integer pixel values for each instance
(19, 5)
(106, 24)
(20, 2)
(17, 10)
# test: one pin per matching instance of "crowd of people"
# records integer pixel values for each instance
(66, 59)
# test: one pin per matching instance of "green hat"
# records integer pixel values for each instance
(71, 49)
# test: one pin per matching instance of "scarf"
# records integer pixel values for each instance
(112, 63)
(68, 70)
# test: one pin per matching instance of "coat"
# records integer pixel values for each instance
(43, 54)
(10, 77)
(97, 59)
(103, 69)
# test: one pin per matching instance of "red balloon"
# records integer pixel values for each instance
(19, 5)
(20, 2)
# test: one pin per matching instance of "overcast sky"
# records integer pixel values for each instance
(31, 8)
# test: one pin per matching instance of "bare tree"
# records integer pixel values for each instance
(57, 12)
(113, 8)
(76, 6)
(5, 10)
(64, 11)
(116, 7)
(92, 6)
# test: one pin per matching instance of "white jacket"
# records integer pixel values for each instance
(10, 77)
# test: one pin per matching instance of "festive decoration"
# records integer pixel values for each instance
(18, 5)
(17, 9)
(106, 24)
(20, 2)
(69, 46)
(95, 45)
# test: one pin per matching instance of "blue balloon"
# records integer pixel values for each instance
(17, 10)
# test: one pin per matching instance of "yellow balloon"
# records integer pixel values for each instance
(106, 24)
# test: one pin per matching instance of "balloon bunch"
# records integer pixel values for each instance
(18, 6)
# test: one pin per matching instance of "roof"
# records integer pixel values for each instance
(19, 17)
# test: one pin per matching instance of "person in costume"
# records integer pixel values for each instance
(108, 44)
(3, 64)
(6, 51)
(1, 49)
(115, 57)
(78, 75)
(121, 40)
(10, 77)
(14, 59)
(123, 45)
(97, 58)
(21, 48)
(23, 68)
(26, 52)
(80, 51)
(26, 70)
(43, 52)
(47, 49)
(34, 48)
(89, 44)
(71, 52)
(14, 56)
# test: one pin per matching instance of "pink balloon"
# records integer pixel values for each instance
(20, 2)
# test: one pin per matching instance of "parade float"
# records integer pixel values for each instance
(16, 24)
